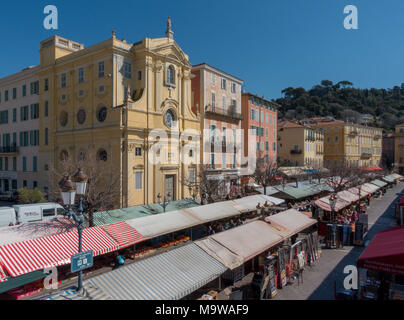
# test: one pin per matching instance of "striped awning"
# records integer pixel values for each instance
(3, 276)
(32, 255)
(168, 276)
(123, 234)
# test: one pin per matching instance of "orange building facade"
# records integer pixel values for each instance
(260, 116)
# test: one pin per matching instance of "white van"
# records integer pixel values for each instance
(37, 212)
(7, 216)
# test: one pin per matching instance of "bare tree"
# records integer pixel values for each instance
(204, 184)
(343, 177)
(265, 174)
(104, 185)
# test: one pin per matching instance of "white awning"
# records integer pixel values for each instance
(249, 240)
(164, 223)
(248, 204)
(212, 212)
(292, 220)
(220, 253)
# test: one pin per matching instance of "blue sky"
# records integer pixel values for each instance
(270, 44)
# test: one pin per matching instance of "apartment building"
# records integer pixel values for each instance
(349, 144)
(260, 116)
(217, 99)
(300, 145)
(109, 99)
(19, 130)
(399, 148)
(388, 150)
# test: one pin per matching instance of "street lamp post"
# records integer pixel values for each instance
(333, 202)
(166, 201)
(69, 190)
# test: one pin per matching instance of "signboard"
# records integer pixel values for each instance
(82, 261)
(30, 214)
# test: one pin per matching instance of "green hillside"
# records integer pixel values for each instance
(384, 107)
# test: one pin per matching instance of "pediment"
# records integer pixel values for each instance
(173, 52)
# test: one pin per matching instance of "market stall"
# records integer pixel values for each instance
(325, 204)
(168, 276)
(389, 179)
(383, 260)
(32, 255)
(249, 240)
(379, 183)
(399, 212)
(348, 196)
(135, 212)
(123, 234)
(370, 188)
(359, 192)
(291, 220)
(24, 285)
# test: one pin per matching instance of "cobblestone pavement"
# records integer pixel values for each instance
(318, 280)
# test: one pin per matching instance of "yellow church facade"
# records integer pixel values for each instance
(128, 103)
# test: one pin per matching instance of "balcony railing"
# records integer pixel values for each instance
(296, 151)
(366, 155)
(11, 149)
(228, 113)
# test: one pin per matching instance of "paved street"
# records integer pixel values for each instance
(318, 280)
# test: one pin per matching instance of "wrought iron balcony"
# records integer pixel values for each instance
(9, 150)
(228, 113)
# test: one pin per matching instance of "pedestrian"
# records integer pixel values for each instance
(210, 230)
(119, 260)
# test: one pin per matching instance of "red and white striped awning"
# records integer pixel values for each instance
(124, 234)
(32, 255)
(3, 276)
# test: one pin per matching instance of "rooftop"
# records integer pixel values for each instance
(212, 68)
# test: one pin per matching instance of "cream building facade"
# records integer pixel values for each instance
(300, 145)
(399, 148)
(110, 98)
(350, 144)
(19, 131)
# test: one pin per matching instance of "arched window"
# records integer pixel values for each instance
(171, 75)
